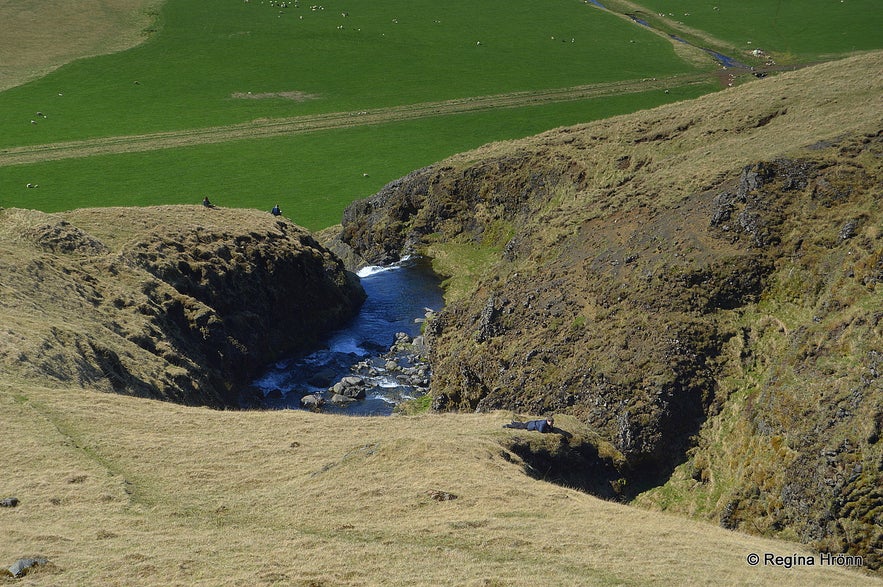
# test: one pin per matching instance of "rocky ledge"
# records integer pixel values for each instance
(699, 285)
(178, 303)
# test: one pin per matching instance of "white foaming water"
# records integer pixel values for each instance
(273, 380)
(375, 269)
(387, 382)
(372, 270)
(381, 397)
(397, 296)
(346, 345)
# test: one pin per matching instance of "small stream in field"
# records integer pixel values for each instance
(357, 371)
(724, 60)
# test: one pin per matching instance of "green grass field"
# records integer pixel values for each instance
(312, 176)
(801, 29)
(398, 52)
(209, 65)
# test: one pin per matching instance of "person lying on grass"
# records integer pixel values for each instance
(546, 425)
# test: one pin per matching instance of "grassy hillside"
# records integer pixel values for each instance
(179, 303)
(215, 66)
(120, 491)
(699, 283)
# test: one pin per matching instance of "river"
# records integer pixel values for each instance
(398, 298)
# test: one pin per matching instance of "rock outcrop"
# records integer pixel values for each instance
(178, 303)
(700, 286)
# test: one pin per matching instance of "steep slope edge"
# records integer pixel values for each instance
(178, 303)
(699, 283)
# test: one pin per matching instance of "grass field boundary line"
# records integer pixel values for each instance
(71, 437)
(264, 128)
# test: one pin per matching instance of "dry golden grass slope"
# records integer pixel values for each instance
(587, 271)
(117, 490)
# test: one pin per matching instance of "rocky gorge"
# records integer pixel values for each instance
(179, 303)
(698, 284)
(697, 287)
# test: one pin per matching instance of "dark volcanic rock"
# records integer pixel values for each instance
(178, 303)
(632, 318)
(247, 298)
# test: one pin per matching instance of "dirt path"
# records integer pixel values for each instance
(304, 124)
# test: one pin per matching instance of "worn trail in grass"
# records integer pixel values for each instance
(311, 123)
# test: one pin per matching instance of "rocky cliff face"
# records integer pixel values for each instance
(178, 303)
(714, 315)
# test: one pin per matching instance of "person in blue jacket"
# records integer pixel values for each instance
(546, 425)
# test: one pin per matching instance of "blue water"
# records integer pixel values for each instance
(640, 21)
(398, 298)
(724, 60)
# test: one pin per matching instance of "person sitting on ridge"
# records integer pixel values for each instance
(276, 211)
(207, 203)
(546, 425)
